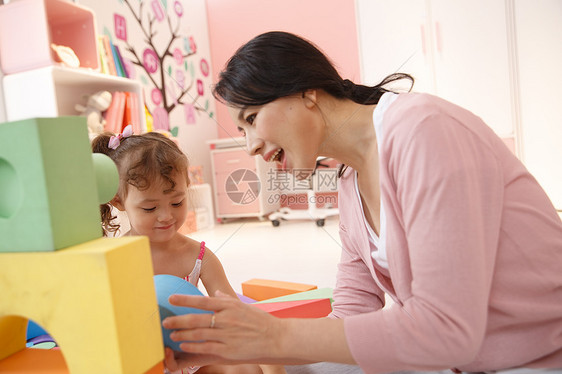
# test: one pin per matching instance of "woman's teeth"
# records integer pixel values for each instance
(275, 156)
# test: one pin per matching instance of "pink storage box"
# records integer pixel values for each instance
(28, 27)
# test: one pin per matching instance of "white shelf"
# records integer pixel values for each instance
(54, 91)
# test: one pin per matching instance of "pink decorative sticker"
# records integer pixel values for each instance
(157, 10)
(204, 65)
(200, 87)
(192, 45)
(189, 114)
(178, 56)
(160, 119)
(150, 60)
(180, 79)
(120, 25)
(156, 96)
(178, 8)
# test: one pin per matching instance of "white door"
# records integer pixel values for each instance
(456, 49)
(539, 45)
(392, 39)
(472, 60)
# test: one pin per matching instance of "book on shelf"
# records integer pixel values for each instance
(109, 55)
(118, 67)
(124, 110)
(122, 61)
(119, 64)
(127, 113)
(115, 113)
(111, 60)
(104, 68)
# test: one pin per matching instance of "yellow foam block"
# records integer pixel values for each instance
(96, 299)
(263, 289)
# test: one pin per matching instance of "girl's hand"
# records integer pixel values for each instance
(241, 332)
(172, 362)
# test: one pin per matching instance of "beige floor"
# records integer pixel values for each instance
(295, 251)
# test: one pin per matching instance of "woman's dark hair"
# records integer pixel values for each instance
(141, 160)
(278, 64)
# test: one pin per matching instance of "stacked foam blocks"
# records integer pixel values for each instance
(288, 299)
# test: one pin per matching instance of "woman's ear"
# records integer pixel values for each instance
(116, 202)
(310, 98)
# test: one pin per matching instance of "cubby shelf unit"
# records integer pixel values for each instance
(54, 91)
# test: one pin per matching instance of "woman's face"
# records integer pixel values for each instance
(288, 131)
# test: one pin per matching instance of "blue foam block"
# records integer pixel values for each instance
(34, 330)
(167, 285)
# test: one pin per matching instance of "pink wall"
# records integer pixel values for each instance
(330, 24)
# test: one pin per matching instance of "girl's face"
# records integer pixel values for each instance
(155, 213)
(288, 131)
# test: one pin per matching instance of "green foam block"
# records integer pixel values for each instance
(48, 191)
(320, 293)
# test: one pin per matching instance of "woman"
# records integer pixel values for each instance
(435, 211)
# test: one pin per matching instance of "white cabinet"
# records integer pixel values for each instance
(455, 49)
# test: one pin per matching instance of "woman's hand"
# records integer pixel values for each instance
(240, 332)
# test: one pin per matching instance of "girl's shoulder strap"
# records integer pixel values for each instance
(202, 251)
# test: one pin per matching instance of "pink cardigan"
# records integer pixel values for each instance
(474, 250)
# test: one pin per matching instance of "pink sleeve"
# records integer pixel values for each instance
(355, 292)
(442, 187)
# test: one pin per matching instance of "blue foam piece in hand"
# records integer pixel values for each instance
(167, 285)
(34, 330)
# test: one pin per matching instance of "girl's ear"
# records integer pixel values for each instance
(116, 202)
(310, 98)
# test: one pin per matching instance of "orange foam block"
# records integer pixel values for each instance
(263, 289)
(45, 361)
(31, 360)
(317, 308)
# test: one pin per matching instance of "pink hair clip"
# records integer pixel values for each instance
(115, 140)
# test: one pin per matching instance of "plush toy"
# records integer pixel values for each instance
(97, 103)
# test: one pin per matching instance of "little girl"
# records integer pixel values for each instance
(153, 191)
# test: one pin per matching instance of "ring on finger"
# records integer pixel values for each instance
(212, 321)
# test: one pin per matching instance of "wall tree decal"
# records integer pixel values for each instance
(167, 62)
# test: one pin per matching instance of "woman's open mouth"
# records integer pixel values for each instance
(276, 156)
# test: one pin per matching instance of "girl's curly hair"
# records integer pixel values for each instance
(140, 159)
